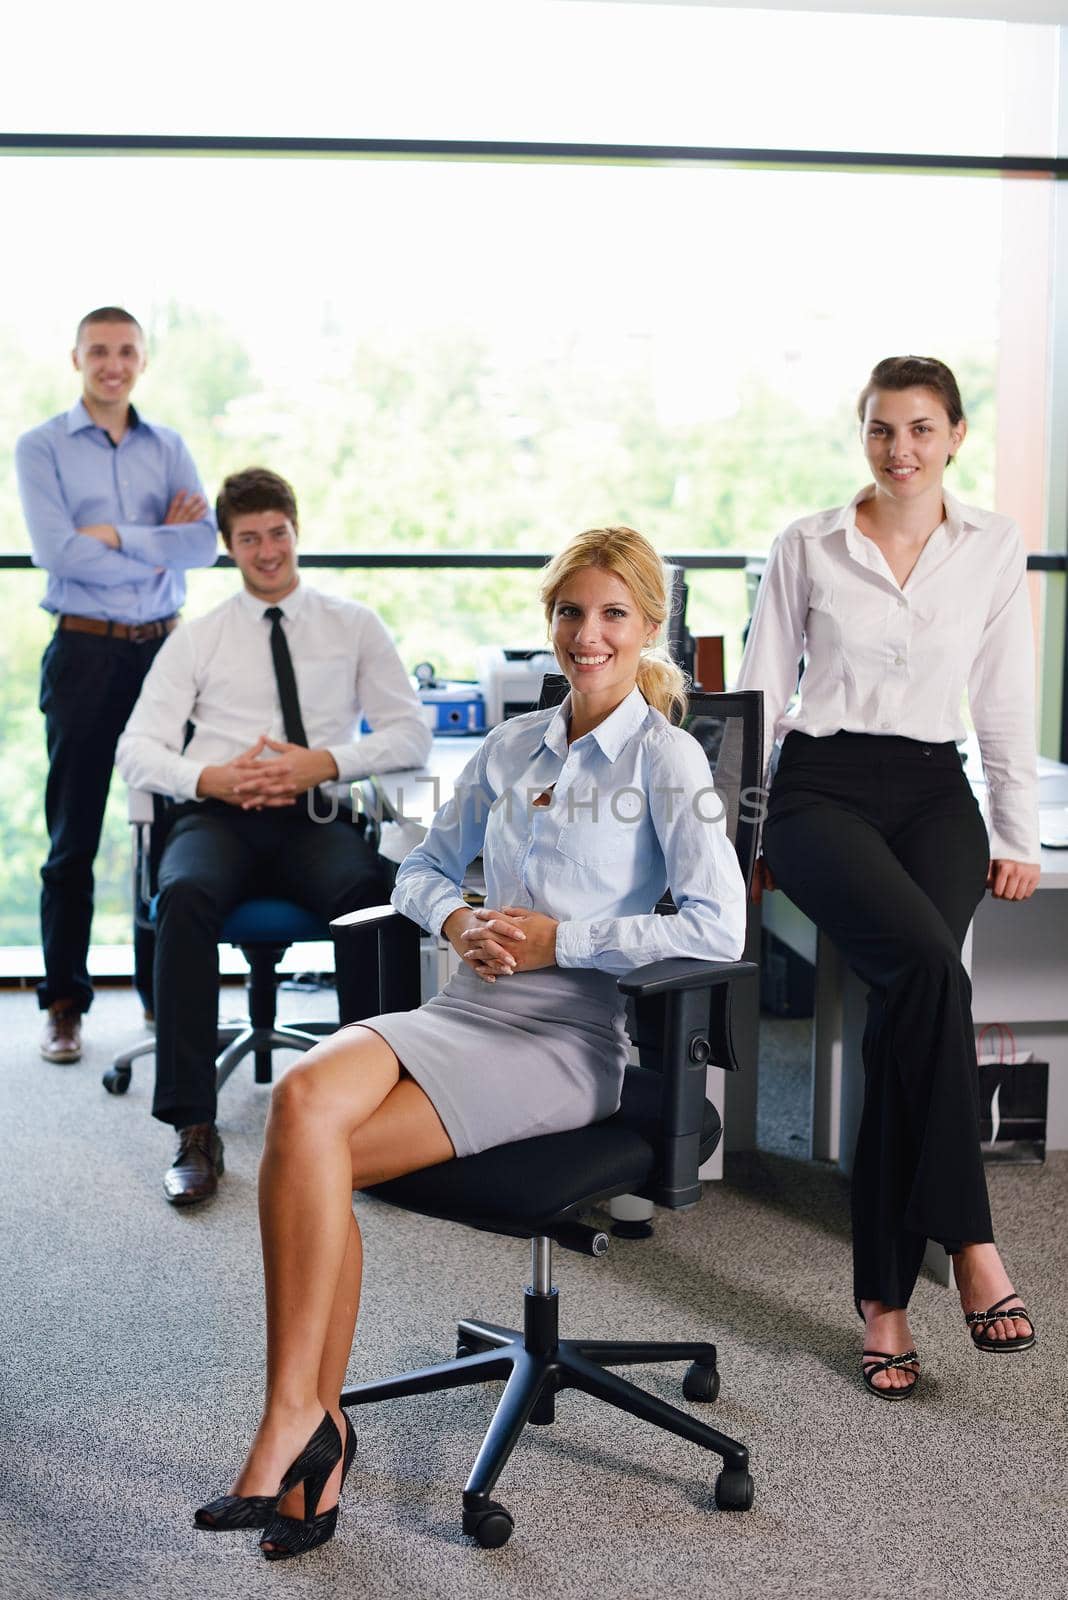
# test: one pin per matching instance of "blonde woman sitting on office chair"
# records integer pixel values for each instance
(898, 601)
(528, 1037)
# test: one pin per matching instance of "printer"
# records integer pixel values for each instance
(448, 707)
(510, 680)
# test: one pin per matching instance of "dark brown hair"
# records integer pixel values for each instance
(914, 372)
(106, 314)
(254, 489)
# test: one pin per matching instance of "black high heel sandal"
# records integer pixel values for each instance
(236, 1511)
(979, 1322)
(232, 1513)
(872, 1362)
(349, 1452)
(875, 1361)
(283, 1536)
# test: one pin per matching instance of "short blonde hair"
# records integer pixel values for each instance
(632, 558)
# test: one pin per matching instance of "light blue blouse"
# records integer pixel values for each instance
(633, 812)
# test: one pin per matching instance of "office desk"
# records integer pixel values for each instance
(406, 803)
(416, 793)
(1016, 955)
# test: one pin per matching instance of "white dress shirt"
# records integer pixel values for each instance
(880, 658)
(216, 672)
(632, 812)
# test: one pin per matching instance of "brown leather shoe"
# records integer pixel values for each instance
(197, 1167)
(62, 1037)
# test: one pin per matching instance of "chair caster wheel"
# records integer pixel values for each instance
(116, 1081)
(491, 1525)
(700, 1383)
(632, 1230)
(734, 1490)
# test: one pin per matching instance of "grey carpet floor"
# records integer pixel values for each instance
(132, 1353)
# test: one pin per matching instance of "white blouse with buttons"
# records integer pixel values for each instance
(880, 658)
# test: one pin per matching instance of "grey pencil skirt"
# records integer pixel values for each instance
(538, 1052)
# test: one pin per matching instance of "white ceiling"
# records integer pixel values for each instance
(1055, 11)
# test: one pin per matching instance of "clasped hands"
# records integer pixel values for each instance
(183, 508)
(497, 943)
(252, 781)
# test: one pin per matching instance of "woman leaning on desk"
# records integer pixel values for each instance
(899, 601)
(582, 819)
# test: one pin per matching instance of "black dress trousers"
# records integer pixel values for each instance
(217, 856)
(89, 686)
(880, 842)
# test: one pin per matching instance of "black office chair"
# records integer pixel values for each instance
(537, 1188)
(262, 928)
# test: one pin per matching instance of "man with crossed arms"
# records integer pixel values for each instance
(115, 514)
(274, 682)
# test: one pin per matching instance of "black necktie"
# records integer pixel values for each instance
(286, 679)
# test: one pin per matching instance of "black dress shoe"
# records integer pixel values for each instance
(197, 1167)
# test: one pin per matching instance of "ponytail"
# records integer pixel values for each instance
(663, 683)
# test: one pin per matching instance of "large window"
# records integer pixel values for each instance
(492, 354)
(514, 69)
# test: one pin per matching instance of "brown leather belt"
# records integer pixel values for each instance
(132, 632)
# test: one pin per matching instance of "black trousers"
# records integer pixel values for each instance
(880, 842)
(215, 857)
(89, 685)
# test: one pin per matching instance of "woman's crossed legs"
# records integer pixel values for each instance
(345, 1117)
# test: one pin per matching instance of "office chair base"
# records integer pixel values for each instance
(235, 1041)
(242, 1039)
(537, 1366)
(625, 1229)
(116, 1079)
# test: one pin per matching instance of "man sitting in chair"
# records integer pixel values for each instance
(274, 683)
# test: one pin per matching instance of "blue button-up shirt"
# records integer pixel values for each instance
(632, 812)
(71, 475)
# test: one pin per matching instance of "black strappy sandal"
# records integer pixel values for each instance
(979, 1320)
(876, 1361)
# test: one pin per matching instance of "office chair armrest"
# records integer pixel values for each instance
(683, 1013)
(143, 886)
(678, 974)
(144, 809)
(386, 945)
(140, 805)
(370, 916)
(368, 802)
